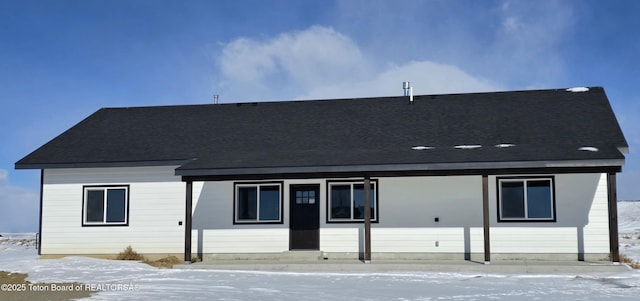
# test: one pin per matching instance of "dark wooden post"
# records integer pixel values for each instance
(367, 219)
(187, 222)
(486, 219)
(613, 217)
(39, 239)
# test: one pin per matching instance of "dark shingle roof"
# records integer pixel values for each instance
(544, 125)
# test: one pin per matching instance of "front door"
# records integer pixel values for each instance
(304, 217)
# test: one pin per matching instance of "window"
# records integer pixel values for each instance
(105, 205)
(530, 199)
(346, 201)
(258, 203)
(305, 197)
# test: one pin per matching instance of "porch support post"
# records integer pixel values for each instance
(613, 217)
(39, 235)
(187, 222)
(367, 219)
(485, 218)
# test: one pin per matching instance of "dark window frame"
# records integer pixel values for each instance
(526, 219)
(104, 188)
(237, 185)
(376, 202)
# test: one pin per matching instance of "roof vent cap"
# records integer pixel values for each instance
(408, 90)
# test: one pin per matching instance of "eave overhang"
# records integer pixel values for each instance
(603, 165)
(388, 169)
(100, 164)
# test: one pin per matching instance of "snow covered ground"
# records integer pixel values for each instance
(629, 229)
(122, 280)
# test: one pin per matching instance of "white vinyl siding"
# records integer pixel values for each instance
(243, 241)
(534, 240)
(156, 205)
(408, 225)
(596, 230)
(581, 224)
(216, 232)
(443, 240)
(345, 240)
(407, 217)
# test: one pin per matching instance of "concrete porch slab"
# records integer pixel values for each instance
(355, 266)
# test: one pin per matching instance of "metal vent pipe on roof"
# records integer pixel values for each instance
(408, 90)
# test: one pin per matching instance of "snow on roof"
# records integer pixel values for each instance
(578, 89)
(467, 146)
(588, 149)
(504, 145)
(422, 147)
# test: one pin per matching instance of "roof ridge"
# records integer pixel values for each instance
(267, 102)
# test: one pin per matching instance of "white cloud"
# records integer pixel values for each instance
(526, 49)
(511, 24)
(293, 61)
(425, 77)
(3, 175)
(520, 44)
(322, 63)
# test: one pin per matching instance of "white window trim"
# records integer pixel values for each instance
(257, 220)
(104, 189)
(526, 217)
(351, 185)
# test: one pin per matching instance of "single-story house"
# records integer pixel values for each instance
(479, 176)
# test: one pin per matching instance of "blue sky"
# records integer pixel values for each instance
(62, 60)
